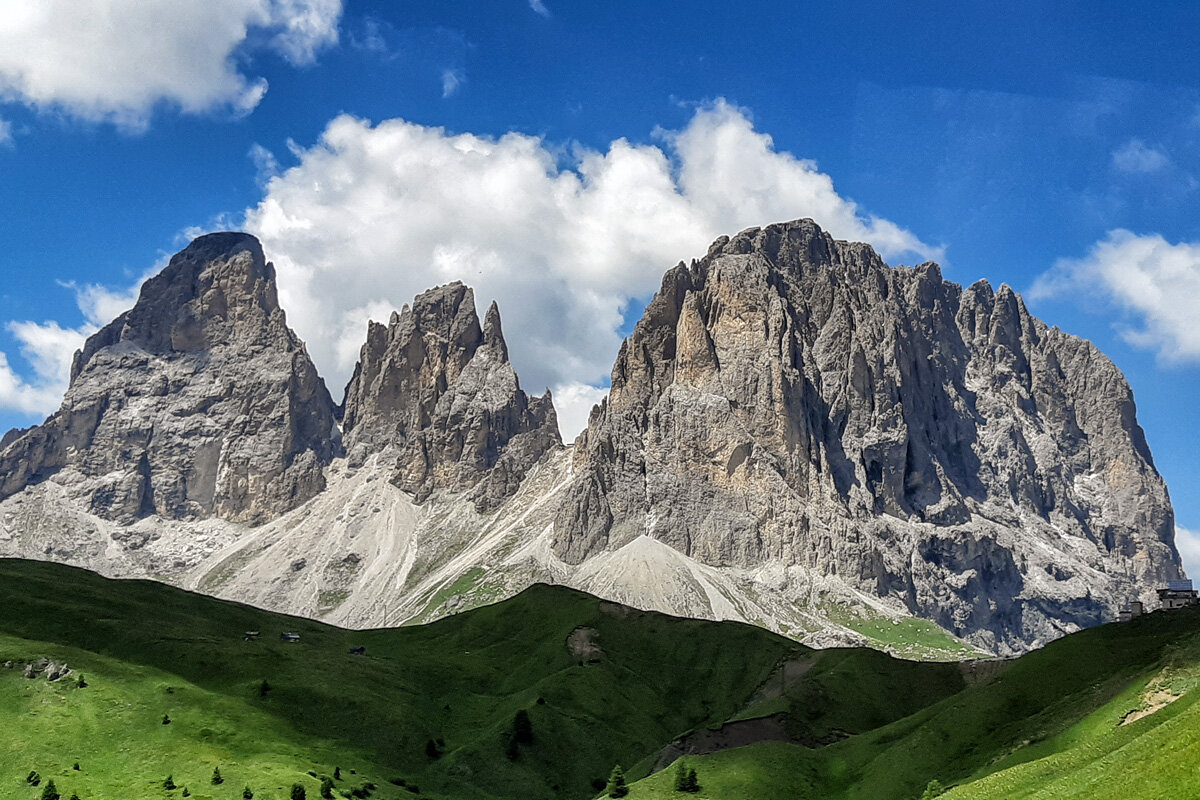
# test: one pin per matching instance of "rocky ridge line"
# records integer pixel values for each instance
(791, 399)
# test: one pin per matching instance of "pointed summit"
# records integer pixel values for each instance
(198, 401)
(438, 393)
(493, 336)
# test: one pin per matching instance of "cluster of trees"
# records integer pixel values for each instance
(49, 791)
(685, 778)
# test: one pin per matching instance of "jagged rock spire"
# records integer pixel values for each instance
(438, 391)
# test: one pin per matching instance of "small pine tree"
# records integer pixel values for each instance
(327, 788)
(337, 773)
(680, 776)
(166, 720)
(691, 783)
(263, 688)
(76, 767)
(217, 780)
(51, 791)
(33, 779)
(616, 783)
(169, 783)
(187, 792)
(432, 751)
(247, 793)
(522, 727)
(933, 789)
(80, 683)
(75, 796)
(298, 792)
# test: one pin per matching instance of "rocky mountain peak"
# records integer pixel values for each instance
(437, 390)
(219, 285)
(791, 399)
(198, 401)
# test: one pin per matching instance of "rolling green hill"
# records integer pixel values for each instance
(1110, 712)
(174, 688)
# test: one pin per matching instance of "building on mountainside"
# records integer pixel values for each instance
(1178, 594)
(290, 637)
(1136, 609)
(251, 635)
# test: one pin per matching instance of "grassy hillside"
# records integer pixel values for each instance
(432, 706)
(1048, 725)
(174, 689)
(147, 650)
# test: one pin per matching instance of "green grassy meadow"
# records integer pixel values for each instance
(428, 711)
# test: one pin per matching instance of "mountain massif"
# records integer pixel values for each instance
(797, 436)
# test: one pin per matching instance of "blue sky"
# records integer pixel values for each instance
(560, 156)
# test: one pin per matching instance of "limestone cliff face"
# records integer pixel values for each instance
(197, 402)
(792, 399)
(439, 391)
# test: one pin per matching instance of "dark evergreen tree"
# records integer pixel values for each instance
(33, 779)
(75, 796)
(76, 767)
(680, 776)
(169, 783)
(263, 688)
(691, 783)
(337, 773)
(247, 793)
(298, 792)
(432, 751)
(933, 789)
(187, 792)
(522, 728)
(217, 780)
(51, 791)
(327, 788)
(616, 783)
(166, 720)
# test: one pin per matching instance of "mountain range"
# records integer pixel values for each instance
(797, 435)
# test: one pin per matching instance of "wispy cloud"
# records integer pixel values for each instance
(266, 166)
(452, 79)
(539, 6)
(6, 133)
(1137, 158)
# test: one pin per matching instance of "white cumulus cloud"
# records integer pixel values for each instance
(374, 214)
(48, 347)
(1155, 282)
(1188, 543)
(573, 403)
(115, 60)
